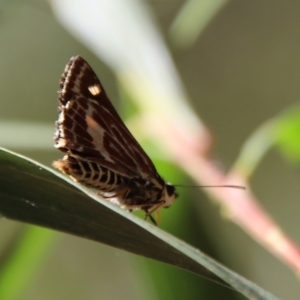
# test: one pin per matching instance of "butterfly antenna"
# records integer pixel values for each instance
(212, 186)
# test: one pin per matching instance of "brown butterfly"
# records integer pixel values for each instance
(100, 151)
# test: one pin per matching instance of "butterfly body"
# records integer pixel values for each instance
(132, 193)
(100, 151)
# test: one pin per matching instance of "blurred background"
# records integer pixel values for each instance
(239, 72)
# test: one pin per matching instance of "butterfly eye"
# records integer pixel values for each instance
(171, 190)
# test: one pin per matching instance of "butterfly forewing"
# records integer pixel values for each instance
(90, 126)
(100, 150)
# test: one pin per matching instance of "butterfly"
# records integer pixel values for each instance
(100, 152)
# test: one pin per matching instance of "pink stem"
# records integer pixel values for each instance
(190, 152)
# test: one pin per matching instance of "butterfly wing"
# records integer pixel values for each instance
(89, 127)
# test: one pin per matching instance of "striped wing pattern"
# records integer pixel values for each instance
(90, 127)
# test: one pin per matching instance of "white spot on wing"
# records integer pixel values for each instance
(95, 89)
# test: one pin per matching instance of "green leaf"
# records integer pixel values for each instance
(192, 19)
(281, 131)
(32, 193)
(34, 244)
(287, 133)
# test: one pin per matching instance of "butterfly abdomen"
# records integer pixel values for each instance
(90, 174)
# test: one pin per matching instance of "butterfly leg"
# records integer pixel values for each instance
(148, 215)
(152, 210)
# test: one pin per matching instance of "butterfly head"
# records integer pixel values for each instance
(170, 195)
